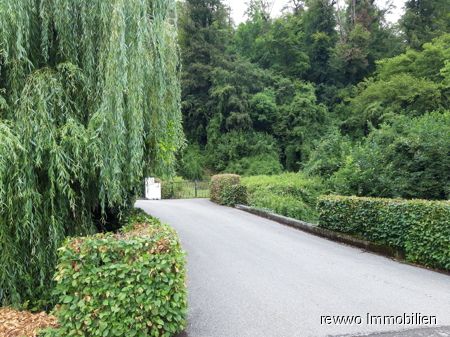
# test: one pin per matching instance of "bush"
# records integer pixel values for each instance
(266, 164)
(290, 194)
(226, 189)
(191, 163)
(171, 189)
(232, 195)
(127, 284)
(419, 228)
(405, 158)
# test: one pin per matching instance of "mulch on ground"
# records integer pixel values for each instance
(15, 323)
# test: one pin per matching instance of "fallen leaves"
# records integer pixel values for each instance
(15, 323)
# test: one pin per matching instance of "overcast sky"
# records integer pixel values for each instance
(238, 8)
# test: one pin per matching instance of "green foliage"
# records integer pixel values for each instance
(90, 102)
(204, 36)
(276, 45)
(425, 19)
(263, 110)
(319, 89)
(265, 164)
(301, 123)
(226, 189)
(171, 188)
(421, 229)
(127, 284)
(232, 195)
(407, 158)
(236, 149)
(191, 163)
(290, 194)
(320, 37)
(329, 155)
(409, 84)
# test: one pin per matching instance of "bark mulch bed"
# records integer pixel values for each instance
(15, 323)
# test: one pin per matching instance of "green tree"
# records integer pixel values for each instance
(365, 37)
(424, 20)
(274, 44)
(406, 158)
(320, 36)
(90, 105)
(329, 155)
(205, 33)
(301, 122)
(411, 83)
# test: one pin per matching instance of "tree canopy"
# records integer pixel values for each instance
(313, 89)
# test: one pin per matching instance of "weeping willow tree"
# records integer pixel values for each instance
(89, 104)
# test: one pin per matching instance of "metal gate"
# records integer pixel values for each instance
(185, 189)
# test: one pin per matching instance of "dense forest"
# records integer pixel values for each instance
(336, 92)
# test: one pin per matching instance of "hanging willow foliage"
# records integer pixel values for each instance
(89, 103)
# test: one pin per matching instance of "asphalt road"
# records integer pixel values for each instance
(251, 277)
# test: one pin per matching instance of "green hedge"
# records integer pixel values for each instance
(419, 228)
(127, 284)
(289, 194)
(226, 189)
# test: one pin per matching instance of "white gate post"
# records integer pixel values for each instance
(152, 189)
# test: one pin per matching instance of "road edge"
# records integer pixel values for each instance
(383, 250)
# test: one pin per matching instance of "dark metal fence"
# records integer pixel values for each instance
(185, 189)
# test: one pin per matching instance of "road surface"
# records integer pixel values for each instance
(251, 277)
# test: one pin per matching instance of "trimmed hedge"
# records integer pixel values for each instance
(289, 194)
(127, 284)
(418, 228)
(226, 189)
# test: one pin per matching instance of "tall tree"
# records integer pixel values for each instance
(425, 19)
(90, 104)
(205, 33)
(365, 38)
(321, 37)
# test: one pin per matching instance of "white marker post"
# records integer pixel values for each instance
(152, 189)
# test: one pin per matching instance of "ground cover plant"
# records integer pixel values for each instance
(89, 105)
(131, 283)
(289, 194)
(419, 228)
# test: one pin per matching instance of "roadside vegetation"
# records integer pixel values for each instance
(332, 91)
(324, 99)
(289, 194)
(420, 229)
(89, 106)
(97, 95)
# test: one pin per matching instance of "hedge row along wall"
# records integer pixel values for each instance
(126, 284)
(226, 189)
(419, 228)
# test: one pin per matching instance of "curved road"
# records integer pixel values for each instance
(251, 277)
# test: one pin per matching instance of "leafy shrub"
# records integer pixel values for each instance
(171, 188)
(191, 163)
(232, 195)
(226, 189)
(329, 154)
(419, 228)
(231, 147)
(266, 164)
(127, 284)
(407, 158)
(290, 194)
